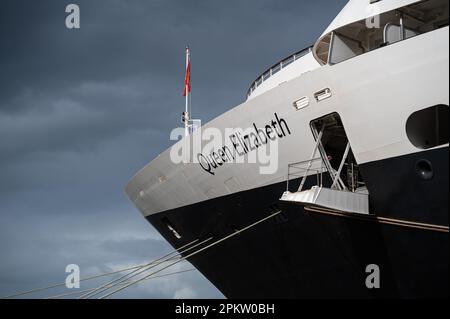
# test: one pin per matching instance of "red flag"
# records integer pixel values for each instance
(187, 79)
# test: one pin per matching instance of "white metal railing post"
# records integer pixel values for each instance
(402, 28)
(288, 177)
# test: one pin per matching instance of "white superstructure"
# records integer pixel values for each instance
(369, 76)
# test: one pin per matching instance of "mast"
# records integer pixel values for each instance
(187, 92)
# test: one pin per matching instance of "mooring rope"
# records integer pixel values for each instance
(87, 290)
(18, 294)
(125, 282)
(192, 254)
(147, 267)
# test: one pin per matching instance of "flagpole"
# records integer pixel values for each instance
(186, 122)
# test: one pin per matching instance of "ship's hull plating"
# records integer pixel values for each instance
(307, 254)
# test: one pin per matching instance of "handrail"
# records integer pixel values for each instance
(305, 162)
(299, 169)
(276, 68)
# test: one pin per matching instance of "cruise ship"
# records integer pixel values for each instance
(357, 203)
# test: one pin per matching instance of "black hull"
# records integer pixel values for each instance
(315, 254)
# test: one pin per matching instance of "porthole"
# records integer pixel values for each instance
(428, 128)
(424, 169)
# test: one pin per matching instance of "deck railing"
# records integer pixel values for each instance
(277, 68)
(300, 169)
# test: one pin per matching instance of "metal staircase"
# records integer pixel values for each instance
(337, 195)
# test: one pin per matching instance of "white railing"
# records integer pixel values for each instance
(277, 68)
(304, 169)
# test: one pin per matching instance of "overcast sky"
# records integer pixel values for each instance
(82, 110)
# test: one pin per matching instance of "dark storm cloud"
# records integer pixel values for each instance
(82, 110)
